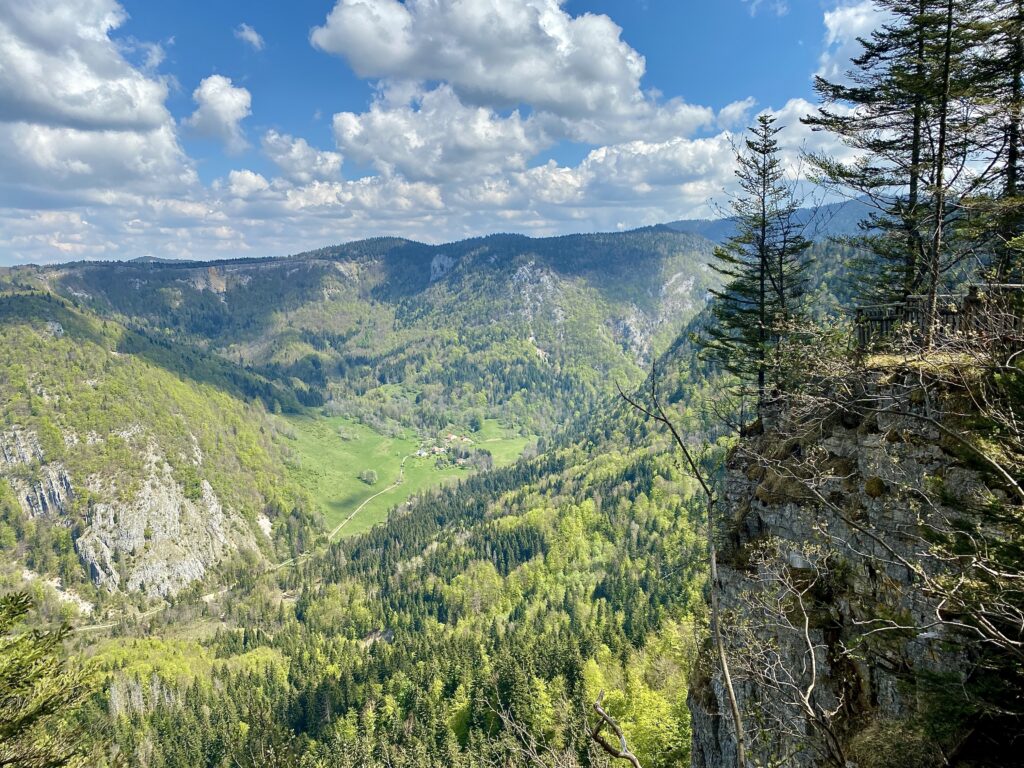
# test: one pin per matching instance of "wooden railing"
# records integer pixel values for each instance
(980, 309)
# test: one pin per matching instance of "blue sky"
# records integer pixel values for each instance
(216, 129)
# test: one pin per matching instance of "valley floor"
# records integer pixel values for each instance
(331, 452)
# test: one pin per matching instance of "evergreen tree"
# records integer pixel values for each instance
(37, 692)
(906, 110)
(763, 264)
(997, 213)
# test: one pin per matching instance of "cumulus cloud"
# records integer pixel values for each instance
(96, 164)
(469, 95)
(248, 35)
(843, 26)
(492, 51)
(246, 183)
(575, 71)
(736, 114)
(298, 161)
(221, 107)
(78, 123)
(59, 67)
(434, 136)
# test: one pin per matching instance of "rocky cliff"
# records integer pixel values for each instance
(156, 538)
(839, 643)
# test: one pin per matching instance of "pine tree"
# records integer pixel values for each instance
(762, 265)
(998, 60)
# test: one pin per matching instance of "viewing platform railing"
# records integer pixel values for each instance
(991, 308)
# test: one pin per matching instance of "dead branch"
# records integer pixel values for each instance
(622, 752)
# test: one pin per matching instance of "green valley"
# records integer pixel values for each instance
(734, 493)
(303, 398)
(327, 455)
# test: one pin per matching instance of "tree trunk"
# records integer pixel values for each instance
(911, 259)
(1010, 191)
(762, 252)
(940, 181)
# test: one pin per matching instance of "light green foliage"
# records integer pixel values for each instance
(110, 419)
(329, 453)
(522, 590)
(505, 584)
(529, 331)
(38, 692)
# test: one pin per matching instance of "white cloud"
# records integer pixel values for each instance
(221, 108)
(496, 52)
(78, 123)
(469, 97)
(843, 25)
(434, 136)
(246, 183)
(575, 72)
(778, 7)
(58, 66)
(298, 161)
(248, 35)
(736, 114)
(91, 163)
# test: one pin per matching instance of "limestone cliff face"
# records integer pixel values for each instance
(157, 539)
(44, 491)
(830, 634)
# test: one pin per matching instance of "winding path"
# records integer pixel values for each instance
(356, 511)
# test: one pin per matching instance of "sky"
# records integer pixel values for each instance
(204, 129)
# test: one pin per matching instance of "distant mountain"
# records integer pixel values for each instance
(510, 327)
(139, 450)
(827, 221)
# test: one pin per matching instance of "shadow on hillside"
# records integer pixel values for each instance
(205, 368)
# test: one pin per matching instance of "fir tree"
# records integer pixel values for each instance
(906, 110)
(997, 213)
(38, 692)
(763, 264)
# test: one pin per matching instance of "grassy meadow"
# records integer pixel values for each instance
(332, 452)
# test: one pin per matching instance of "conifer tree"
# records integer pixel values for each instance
(37, 692)
(762, 265)
(906, 109)
(998, 64)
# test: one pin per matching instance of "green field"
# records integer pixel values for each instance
(333, 451)
(504, 444)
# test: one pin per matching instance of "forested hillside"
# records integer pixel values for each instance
(751, 503)
(125, 471)
(506, 602)
(400, 333)
(477, 624)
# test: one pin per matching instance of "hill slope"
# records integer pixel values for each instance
(152, 478)
(527, 331)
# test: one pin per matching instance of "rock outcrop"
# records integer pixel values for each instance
(157, 540)
(831, 636)
(43, 489)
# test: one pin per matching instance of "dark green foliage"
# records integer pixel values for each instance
(524, 590)
(528, 331)
(911, 107)
(762, 264)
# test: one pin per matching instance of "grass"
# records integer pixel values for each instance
(333, 451)
(505, 444)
